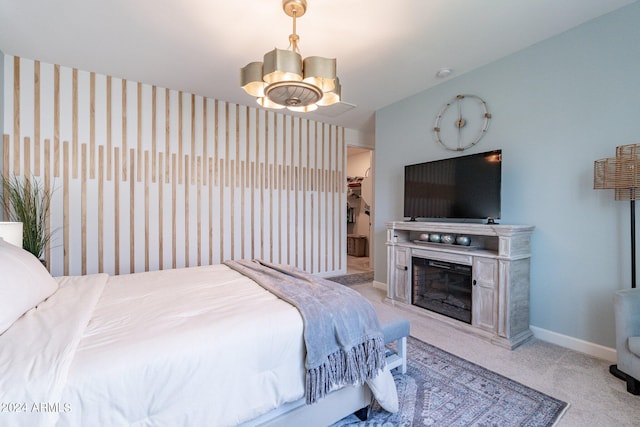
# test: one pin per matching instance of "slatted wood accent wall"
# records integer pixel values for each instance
(149, 178)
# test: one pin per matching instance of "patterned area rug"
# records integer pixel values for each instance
(353, 279)
(441, 389)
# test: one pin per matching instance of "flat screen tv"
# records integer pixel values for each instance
(466, 187)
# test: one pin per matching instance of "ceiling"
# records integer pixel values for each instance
(385, 50)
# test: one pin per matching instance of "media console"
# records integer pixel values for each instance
(499, 256)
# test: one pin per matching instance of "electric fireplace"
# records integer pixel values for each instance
(442, 287)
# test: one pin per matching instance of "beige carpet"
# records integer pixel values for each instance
(595, 397)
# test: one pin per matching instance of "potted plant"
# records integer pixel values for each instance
(27, 201)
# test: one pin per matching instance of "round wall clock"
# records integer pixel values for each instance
(462, 122)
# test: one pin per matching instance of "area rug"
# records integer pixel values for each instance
(353, 279)
(441, 389)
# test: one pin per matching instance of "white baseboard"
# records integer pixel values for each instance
(596, 350)
(379, 285)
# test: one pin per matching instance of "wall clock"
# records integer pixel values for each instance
(462, 122)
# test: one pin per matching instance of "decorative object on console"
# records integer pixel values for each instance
(478, 120)
(448, 239)
(424, 237)
(463, 240)
(435, 237)
(284, 80)
(11, 232)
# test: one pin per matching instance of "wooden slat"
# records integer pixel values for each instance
(167, 134)
(139, 132)
(154, 133)
(253, 209)
(109, 124)
(226, 144)
(65, 204)
(74, 160)
(216, 136)
(116, 209)
(160, 214)
(180, 157)
(132, 211)
(56, 159)
(36, 118)
(199, 209)
(5, 172)
(262, 179)
(16, 115)
(242, 211)
(36, 158)
(124, 131)
(232, 201)
(187, 186)
(221, 230)
(56, 120)
(47, 184)
(193, 139)
(237, 140)
(83, 207)
(74, 123)
(92, 125)
(27, 157)
(205, 142)
(174, 182)
(100, 179)
(146, 210)
(210, 187)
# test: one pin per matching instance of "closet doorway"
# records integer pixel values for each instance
(359, 209)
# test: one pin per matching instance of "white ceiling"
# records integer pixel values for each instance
(386, 50)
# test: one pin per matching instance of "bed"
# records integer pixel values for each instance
(203, 346)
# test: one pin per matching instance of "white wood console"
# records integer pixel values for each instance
(500, 259)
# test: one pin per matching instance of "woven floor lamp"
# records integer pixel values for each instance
(622, 174)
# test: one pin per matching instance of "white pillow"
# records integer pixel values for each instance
(24, 283)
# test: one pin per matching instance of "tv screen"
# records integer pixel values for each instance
(466, 187)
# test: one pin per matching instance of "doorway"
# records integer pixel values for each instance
(359, 209)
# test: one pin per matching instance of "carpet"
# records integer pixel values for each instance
(353, 279)
(441, 389)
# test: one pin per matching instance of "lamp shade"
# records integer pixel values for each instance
(11, 232)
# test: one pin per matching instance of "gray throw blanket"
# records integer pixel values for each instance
(343, 339)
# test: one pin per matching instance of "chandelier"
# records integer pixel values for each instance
(285, 80)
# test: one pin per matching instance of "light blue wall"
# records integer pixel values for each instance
(557, 106)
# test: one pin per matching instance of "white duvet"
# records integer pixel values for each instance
(203, 346)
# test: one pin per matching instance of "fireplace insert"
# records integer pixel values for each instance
(442, 287)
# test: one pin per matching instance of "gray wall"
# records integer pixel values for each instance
(557, 106)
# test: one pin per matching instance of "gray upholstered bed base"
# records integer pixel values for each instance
(328, 410)
(345, 401)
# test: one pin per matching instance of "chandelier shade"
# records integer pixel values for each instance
(285, 80)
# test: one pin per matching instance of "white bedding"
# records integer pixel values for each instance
(197, 346)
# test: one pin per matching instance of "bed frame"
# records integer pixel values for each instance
(332, 408)
(348, 400)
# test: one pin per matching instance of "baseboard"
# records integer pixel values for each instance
(595, 350)
(379, 285)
